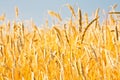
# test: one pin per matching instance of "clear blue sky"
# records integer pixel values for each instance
(37, 9)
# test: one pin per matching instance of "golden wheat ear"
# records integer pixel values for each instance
(2, 17)
(16, 12)
(80, 19)
(71, 10)
(54, 14)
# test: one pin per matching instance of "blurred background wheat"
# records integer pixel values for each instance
(75, 49)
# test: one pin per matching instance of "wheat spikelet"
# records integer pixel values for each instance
(86, 18)
(116, 30)
(8, 26)
(114, 6)
(80, 19)
(16, 12)
(66, 35)
(2, 17)
(54, 14)
(1, 33)
(96, 15)
(58, 34)
(71, 9)
(57, 30)
(34, 26)
(112, 20)
(95, 54)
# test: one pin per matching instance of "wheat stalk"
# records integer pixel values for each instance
(114, 12)
(87, 29)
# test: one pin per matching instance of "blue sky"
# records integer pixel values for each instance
(37, 9)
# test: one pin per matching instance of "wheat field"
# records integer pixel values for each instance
(75, 49)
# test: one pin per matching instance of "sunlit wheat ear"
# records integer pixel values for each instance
(66, 34)
(71, 9)
(1, 33)
(54, 14)
(116, 30)
(86, 18)
(2, 17)
(57, 30)
(115, 6)
(80, 19)
(34, 26)
(96, 12)
(112, 20)
(16, 12)
(96, 15)
(58, 34)
(8, 26)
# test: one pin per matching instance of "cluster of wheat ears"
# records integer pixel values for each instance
(75, 49)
